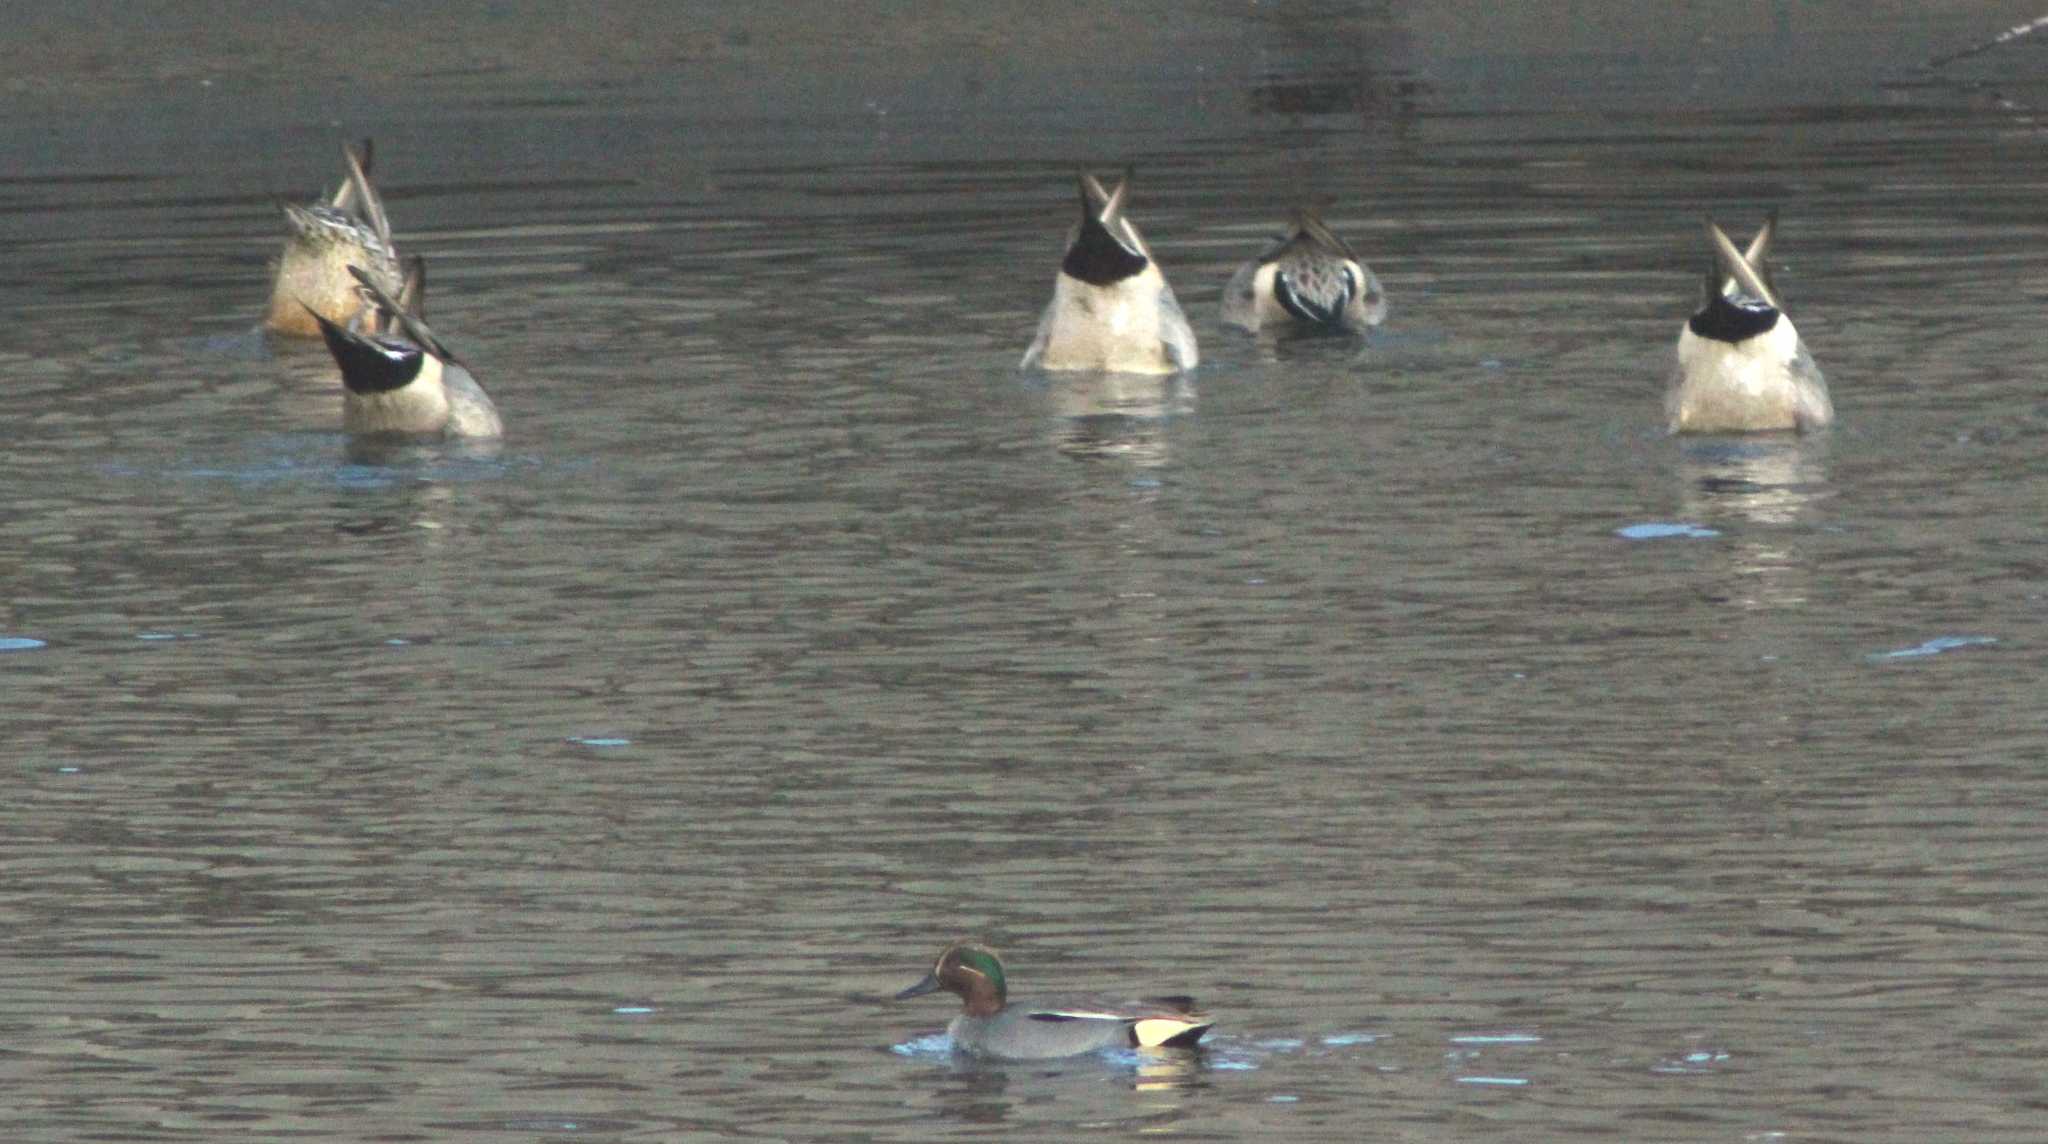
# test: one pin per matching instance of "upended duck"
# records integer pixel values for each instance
(1111, 308)
(399, 379)
(1308, 279)
(1742, 367)
(990, 1025)
(348, 228)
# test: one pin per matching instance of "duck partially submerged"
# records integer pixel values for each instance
(990, 1025)
(348, 228)
(1307, 278)
(1111, 308)
(1742, 367)
(399, 379)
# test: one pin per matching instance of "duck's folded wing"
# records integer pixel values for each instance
(1148, 1022)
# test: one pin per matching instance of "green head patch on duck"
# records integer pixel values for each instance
(972, 972)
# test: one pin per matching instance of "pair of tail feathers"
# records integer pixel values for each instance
(358, 196)
(1107, 204)
(406, 312)
(1743, 269)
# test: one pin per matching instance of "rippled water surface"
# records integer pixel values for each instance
(1492, 765)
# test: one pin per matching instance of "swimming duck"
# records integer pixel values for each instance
(397, 377)
(348, 228)
(989, 1026)
(1741, 365)
(1309, 277)
(1111, 308)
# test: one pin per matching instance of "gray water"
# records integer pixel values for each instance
(1492, 765)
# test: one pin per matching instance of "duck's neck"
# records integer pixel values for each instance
(981, 998)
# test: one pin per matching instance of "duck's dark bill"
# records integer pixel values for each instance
(928, 985)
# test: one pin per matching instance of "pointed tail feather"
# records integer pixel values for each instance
(1735, 266)
(414, 326)
(373, 207)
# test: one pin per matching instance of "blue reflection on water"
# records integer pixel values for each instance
(1663, 530)
(1692, 1063)
(331, 459)
(1935, 647)
(934, 1046)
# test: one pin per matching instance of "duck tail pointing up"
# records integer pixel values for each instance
(360, 187)
(1308, 221)
(1734, 265)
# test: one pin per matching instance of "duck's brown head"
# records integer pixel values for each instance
(971, 971)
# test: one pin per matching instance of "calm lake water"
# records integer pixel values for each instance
(1491, 764)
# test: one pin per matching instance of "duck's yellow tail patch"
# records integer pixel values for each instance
(1174, 1032)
